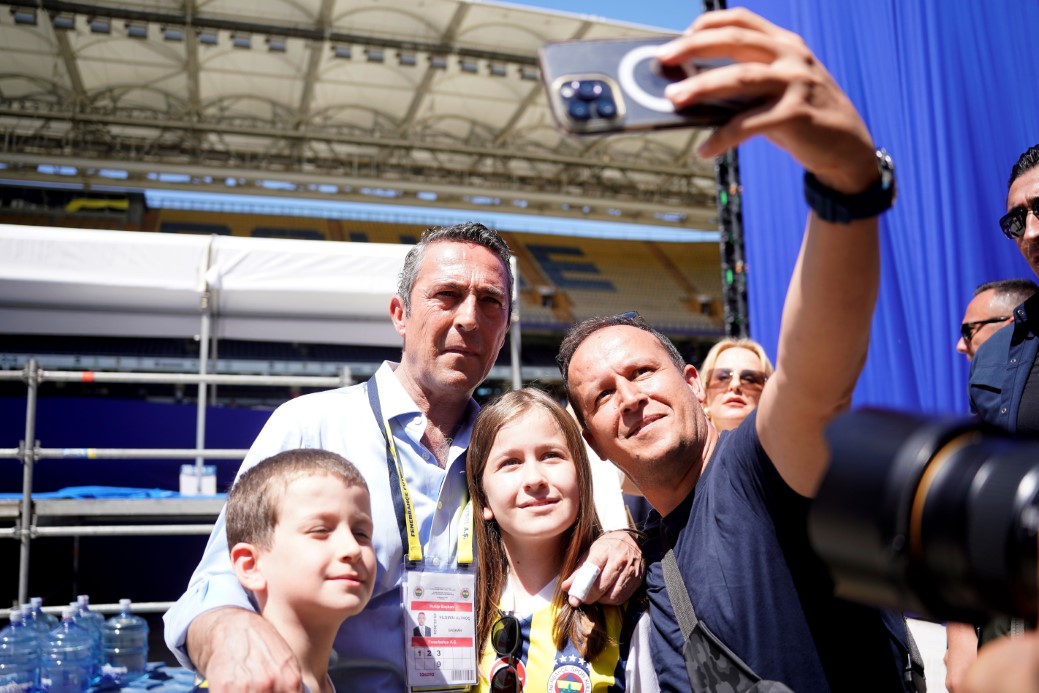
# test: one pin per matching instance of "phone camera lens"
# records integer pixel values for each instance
(589, 90)
(579, 110)
(605, 107)
(568, 90)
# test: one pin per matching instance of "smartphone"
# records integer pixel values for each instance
(617, 85)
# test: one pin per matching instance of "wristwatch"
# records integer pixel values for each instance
(838, 208)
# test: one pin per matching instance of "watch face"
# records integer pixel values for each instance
(887, 169)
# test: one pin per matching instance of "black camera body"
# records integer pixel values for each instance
(615, 85)
(934, 517)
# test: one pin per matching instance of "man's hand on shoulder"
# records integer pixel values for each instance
(621, 569)
(237, 650)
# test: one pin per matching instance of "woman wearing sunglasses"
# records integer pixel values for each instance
(531, 484)
(733, 374)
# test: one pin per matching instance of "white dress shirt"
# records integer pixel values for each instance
(342, 421)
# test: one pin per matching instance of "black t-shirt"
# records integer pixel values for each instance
(741, 543)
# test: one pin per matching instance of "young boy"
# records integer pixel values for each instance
(299, 525)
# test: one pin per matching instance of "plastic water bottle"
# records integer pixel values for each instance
(41, 616)
(125, 639)
(67, 661)
(87, 617)
(94, 623)
(39, 628)
(95, 640)
(19, 656)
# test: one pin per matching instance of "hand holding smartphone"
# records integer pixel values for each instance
(616, 85)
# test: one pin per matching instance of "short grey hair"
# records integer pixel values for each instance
(1015, 290)
(469, 232)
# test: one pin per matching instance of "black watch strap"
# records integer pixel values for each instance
(838, 208)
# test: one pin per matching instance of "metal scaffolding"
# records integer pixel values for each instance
(29, 451)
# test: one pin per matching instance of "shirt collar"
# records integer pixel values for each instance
(1029, 308)
(396, 402)
(393, 398)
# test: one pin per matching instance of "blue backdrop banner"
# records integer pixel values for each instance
(947, 89)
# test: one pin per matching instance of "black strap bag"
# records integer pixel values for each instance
(710, 664)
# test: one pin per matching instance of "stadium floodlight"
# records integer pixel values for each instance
(24, 15)
(342, 51)
(208, 37)
(64, 21)
(438, 62)
(375, 55)
(138, 30)
(100, 25)
(173, 33)
(241, 39)
(277, 44)
(407, 58)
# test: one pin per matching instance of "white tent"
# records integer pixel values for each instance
(118, 283)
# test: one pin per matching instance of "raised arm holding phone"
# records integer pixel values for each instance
(733, 506)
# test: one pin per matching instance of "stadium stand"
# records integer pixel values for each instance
(599, 277)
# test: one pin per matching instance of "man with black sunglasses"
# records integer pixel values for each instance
(1004, 373)
(732, 532)
(991, 308)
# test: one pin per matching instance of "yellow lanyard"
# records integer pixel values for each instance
(402, 505)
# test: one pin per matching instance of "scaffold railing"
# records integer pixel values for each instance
(29, 451)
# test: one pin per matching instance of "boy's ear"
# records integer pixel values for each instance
(245, 560)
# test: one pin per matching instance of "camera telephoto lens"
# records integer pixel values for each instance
(937, 518)
(589, 90)
(605, 107)
(579, 110)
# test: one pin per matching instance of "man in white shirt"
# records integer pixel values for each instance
(452, 311)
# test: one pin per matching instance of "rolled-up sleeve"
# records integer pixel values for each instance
(213, 584)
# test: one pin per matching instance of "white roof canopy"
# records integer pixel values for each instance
(416, 102)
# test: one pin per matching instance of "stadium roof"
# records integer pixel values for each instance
(419, 102)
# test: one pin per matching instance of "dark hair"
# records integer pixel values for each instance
(584, 329)
(252, 504)
(585, 626)
(1017, 290)
(1025, 163)
(469, 232)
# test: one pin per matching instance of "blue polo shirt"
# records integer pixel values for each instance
(1000, 368)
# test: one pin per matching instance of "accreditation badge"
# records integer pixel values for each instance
(439, 628)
